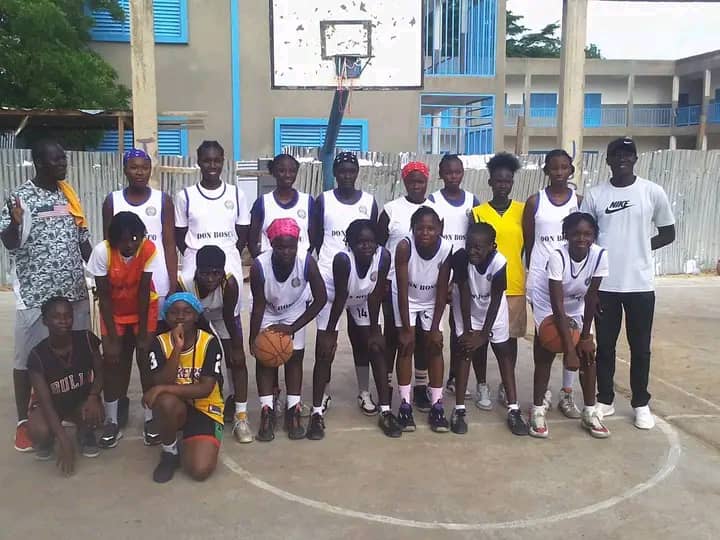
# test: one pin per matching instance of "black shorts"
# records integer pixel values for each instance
(200, 425)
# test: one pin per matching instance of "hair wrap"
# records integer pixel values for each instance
(414, 166)
(283, 227)
(186, 297)
(135, 153)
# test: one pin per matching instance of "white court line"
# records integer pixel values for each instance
(681, 390)
(671, 461)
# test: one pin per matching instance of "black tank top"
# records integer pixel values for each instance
(69, 379)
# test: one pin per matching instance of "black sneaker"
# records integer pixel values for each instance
(229, 411)
(457, 422)
(516, 423)
(166, 468)
(420, 398)
(123, 411)
(44, 453)
(405, 417)
(111, 436)
(266, 432)
(316, 427)
(436, 419)
(88, 443)
(151, 436)
(390, 425)
(293, 424)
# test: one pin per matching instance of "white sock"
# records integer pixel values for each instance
(513, 406)
(588, 409)
(292, 400)
(148, 413)
(240, 407)
(459, 407)
(538, 408)
(568, 378)
(171, 448)
(317, 410)
(111, 408)
(266, 400)
(363, 378)
(384, 408)
(421, 377)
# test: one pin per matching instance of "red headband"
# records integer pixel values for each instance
(283, 227)
(415, 166)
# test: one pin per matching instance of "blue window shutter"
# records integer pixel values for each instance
(169, 18)
(310, 132)
(593, 110)
(171, 142)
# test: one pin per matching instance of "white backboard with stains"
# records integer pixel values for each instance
(306, 34)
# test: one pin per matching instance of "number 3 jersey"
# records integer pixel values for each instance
(204, 359)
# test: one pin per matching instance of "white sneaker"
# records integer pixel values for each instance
(538, 425)
(547, 400)
(644, 419)
(567, 406)
(366, 404)
(501, 396)
(604, 409)
(241, 429)
(592, 422)
(482, 400)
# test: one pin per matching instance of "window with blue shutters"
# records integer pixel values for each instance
(171, 142)
(310, 132)
(170, 23)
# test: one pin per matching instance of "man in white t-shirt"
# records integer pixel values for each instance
(628, 210)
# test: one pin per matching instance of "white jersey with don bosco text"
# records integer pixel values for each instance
(399, 213)
(299, 210)
(150, 213)
(337, 217)
(283, 297)
(423, 276)
(456, 216)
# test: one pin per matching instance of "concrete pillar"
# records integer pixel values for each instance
(572, 77)
(631, 100)
(499, 120)
(673, 142)
(675, 97)
(704, 107)
(523, 133)
(435, 133)
(437, 32)
(144, 92)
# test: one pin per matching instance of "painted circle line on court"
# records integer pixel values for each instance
(671, 461)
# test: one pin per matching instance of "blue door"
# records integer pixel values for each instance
(543, 110)
(593, 110)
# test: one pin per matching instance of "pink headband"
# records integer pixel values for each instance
(415, 166)
(283, 227)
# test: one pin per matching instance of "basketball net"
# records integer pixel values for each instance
(344, 83)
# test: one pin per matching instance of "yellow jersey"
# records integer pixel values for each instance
(202, 360)
(509, 239)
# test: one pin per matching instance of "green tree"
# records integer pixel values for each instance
(45, 60)
(543, 44)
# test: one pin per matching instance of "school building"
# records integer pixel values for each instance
(217, 57)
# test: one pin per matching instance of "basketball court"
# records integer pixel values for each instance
(359, 484)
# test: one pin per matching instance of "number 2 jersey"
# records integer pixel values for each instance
(204, 359)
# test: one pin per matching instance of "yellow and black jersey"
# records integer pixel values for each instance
(202, 360)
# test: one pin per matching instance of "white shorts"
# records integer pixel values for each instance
(220, 329)
(288, 318)
(500, 331)
(360, 315)
(424, 315)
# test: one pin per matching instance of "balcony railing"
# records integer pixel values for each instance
(714, 113)
(652, 115)
(688, 116)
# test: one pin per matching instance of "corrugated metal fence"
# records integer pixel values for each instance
(691, 179)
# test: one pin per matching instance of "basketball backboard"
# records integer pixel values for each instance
(375, 44)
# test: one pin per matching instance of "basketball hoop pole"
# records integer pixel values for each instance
(327, 152)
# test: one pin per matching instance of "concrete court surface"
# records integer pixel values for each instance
(358, 484)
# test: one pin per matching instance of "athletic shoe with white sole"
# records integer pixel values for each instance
(436, 419)
(644, 419)
(88, 444)
(516, 423)
(458, 425)
(241, 429)
(389, 425)
(111, 436)
(405, 417)
(44, 453)
(482, 399)
(366, 404)
(567, 406)
(538, 425)
(151, 436)
(593, 423)
(604, 409)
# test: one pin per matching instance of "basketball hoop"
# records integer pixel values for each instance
(347, 70)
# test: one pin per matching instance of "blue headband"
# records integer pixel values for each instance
(134, 153)
(186, 297)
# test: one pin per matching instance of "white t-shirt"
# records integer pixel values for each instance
(98, 263)
(575, 278)
(628, 218)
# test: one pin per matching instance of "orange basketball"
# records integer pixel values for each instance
(550, 337)
(273, 349)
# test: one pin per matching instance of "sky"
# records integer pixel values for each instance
(637, 30)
